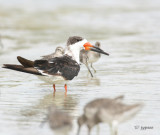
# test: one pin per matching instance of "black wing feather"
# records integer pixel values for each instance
(64, 65)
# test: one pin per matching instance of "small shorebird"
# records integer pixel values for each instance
(59, 121)
(110, 111)
(90, 112)
(89, 57)
(58, 69)
(58, 53)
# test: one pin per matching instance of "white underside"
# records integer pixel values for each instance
(93, 60)
(93, 57)
(53, 79)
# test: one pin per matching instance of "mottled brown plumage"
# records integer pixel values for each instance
(58, 53)
(90, 57)
(111, 111)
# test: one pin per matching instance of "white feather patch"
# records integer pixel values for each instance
(42, 72)
(74, 50)
(51, 62)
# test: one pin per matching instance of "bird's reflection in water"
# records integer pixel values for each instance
(89, 81)
(93, 81)
(67, 103)
(59, 121)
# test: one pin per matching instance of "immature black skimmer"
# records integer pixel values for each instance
(59, 121)
(111, 111)
(58, 69)
(89, 57)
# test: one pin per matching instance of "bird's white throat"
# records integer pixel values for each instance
(74, 50)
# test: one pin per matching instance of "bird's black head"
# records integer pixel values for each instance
(74, 39)
(83, 43)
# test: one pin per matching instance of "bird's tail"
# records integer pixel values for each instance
(21, 68)
(26, 63)
(133, 110)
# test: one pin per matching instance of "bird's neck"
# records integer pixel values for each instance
(74, 52)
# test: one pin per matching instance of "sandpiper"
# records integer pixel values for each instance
(58, 69)
(58, 53)
(89, 57)
(110, 111)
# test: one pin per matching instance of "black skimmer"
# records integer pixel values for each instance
(58, 69)
(90, 57)
(104, 110)
(59, 121)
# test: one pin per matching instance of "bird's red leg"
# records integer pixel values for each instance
(65, 86)
(54, 86)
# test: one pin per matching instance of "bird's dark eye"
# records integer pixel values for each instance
(78, 40)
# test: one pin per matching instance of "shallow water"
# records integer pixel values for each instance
(128, 30)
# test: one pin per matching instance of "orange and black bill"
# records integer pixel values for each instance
(96, 49)
(90, 47)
